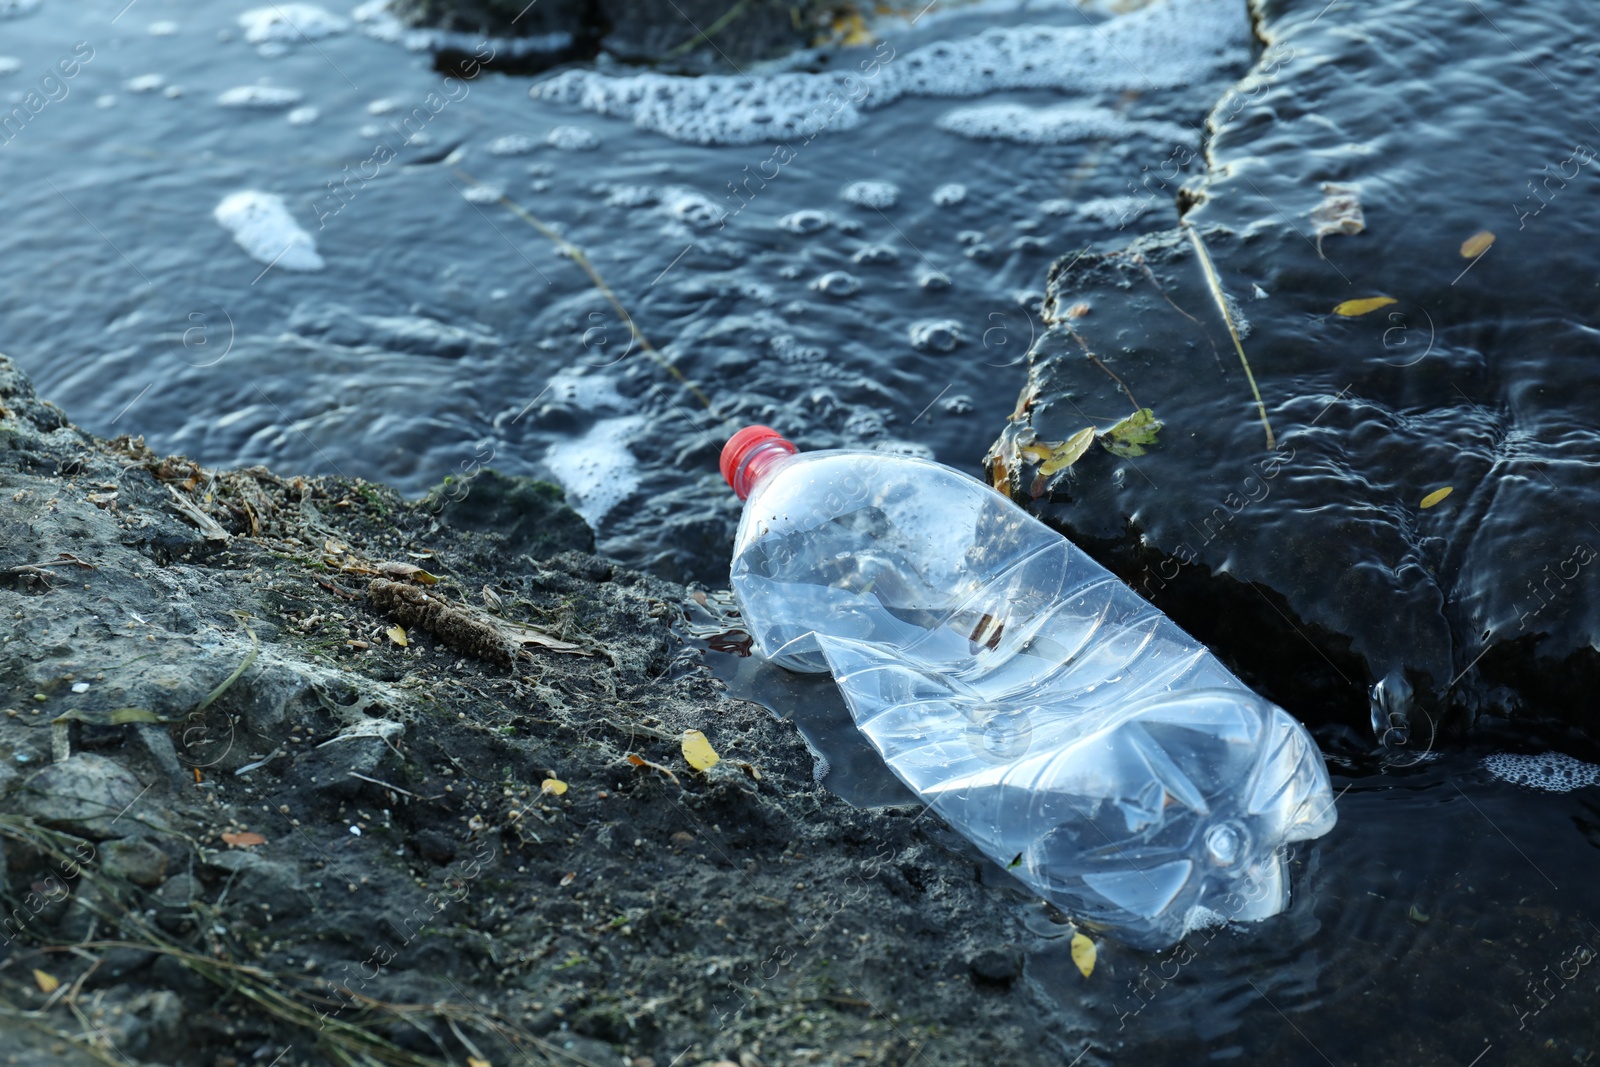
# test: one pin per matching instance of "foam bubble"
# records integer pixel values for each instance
(950, 195)
(805, 221)
(483, 194)
(695, 208)
(303, 116)
(597, 470)
(162, 28)
(263, 227)
(1115, 210)
(935, 335)
(572, 139)
(1166, 45)
(144, 83)
(290, 24)
(264, 97)
(10, 64)
(1554, 772)
(881, 195)
(513, 144)
(1061, 124)
(875, 255)
(837, 283)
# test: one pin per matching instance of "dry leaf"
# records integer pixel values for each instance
(636, 761)
(1434, 497)
(407, 572)
(1477, 244)
(47, 983)
(335, 548)
(698, 751)
(474, 1061)
(1351, 308)
(640, 761)
(247, 839)
(1083, 954)
(567, 878)
(523, 635)
(397, 634)
(552, 787)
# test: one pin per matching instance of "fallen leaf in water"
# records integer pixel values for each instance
(407, 572)
(474, 1061)
(1083, 954)
(47, 983)
(244, 840)
(552, 787)
(1477, 244)
(1002, 477)
(1434, 497)
(397, 634)
(1351, 308)
(1054, 458)
(1016, 861)
(698, 751)
(1130, 436)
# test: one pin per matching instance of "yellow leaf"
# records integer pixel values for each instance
(1351, 308)
(1068, 452)
(1477, 244)
(1083, 954)
(397, 634)
(1434, 497)
(47, 983)
(473, 1061)
(247, 839)
(698, 751)
(552, 787)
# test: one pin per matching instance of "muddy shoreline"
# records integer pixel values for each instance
(240, 820)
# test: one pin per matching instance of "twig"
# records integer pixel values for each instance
(1233, 331)
(1096, 361)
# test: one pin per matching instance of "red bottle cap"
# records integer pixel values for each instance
(739, 449)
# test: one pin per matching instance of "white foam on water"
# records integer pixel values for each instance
(1167, 45)
(1554, 772)
(586, 392)
(162, 28)
(290, 24)
(513, 144)
(950, 194)
(263, 97)
(597, 470)
(10, 9)
(572, 139)
(881, 195)
(1062, 124)
(303, 116)
(144, 83)
(376, 20)
(1114, 210)
(692, 207)
(263, 227)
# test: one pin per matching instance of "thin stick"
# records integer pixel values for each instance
(573, 252)
(1233, 331)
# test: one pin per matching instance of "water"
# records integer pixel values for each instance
(443, 334)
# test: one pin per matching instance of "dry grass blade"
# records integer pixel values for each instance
(575, 253)
(1215, 284)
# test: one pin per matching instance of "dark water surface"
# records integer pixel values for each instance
(1447, 919)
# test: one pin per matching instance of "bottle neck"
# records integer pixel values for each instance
(759, 463)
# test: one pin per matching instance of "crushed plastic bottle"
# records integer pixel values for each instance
(1035, 702)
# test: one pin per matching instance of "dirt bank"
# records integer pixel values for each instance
(268, 796)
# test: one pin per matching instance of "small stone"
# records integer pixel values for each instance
(135, 860)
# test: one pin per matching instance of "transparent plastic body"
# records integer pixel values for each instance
(1038, 704)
